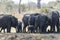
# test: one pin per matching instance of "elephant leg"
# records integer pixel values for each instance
(44, 29)
(53, 28)
(24, 28)
(36, 30)
(4, 30)
(17, 30)
(20, 30)
(1, 30)
(57, 27)
(33, 30)
(30, 30)
(8, 29)
(40, 29)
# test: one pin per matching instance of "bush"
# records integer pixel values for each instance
(45, 10)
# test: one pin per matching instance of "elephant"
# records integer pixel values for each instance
(25, 21)
(47, 19)
(5, 21)
(53, 20)
(19, 27)
(43, 22)
(8, 21)
(28, 19)
(35, 21)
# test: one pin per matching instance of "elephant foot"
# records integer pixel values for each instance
(58, 31)
(24, 31)
(51, 31)
(29, 31)
(20, 31)
(0, 31)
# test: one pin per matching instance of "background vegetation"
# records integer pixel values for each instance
(8, 6)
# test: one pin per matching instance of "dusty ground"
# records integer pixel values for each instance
(26, 36)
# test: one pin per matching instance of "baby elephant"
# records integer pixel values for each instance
(19, 27)
(31, 29)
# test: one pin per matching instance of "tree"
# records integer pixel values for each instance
(38, 4)
(19, 7)
(9, 6)
(52, 4)
(23, 7)
(6, 5)
(58, 1)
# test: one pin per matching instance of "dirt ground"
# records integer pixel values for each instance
(26, 36)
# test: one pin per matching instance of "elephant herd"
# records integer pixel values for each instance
(36, 23)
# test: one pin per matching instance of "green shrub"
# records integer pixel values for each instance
(45, 10)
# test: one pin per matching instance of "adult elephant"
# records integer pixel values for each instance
(8, 21)
(25, 20)
(54, 20)
(29, 19)
(43, 22)
(51, 19)
(5, 21)
(33, 22)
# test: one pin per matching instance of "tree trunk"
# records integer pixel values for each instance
(19, 7)
(38, 4)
